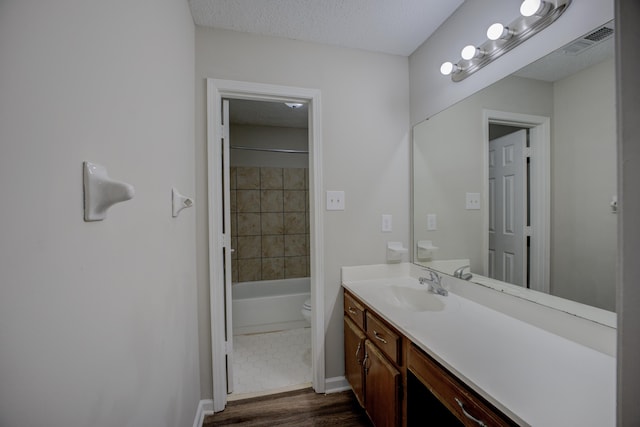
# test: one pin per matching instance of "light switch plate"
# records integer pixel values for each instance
(335, 200)
(472, 201)
(387, 223)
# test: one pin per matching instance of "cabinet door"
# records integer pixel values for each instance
(382, 388)
(353, 357)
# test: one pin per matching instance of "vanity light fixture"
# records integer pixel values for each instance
(535, 15)
(447, 68)
(498, 31)
(534, 7)
(470, 52)
(293, 105)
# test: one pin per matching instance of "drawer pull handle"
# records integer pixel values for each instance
(468, 415)
(379, 337)
(352, 311)
(358, 351)
(364, 363)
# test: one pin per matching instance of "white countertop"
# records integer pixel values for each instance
(534, 376)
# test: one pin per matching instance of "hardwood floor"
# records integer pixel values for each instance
(294, 408)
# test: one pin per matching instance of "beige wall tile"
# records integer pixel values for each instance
(234, 245)
(272, 246)
(249, 247)
(295, 179)
(248, 200)
(295, 267)
(294, 223)
(271, 201)
(249, 269)
(233, 202)
(234, 224)
(247, 178)
(272, 268)
(233, 183)
(271, 178)
(295, 245)
(234, 271)
(294, 200)
(248, 224)
(272, 223)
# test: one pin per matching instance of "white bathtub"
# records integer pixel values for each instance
(269, 305)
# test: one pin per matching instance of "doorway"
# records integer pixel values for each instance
(530, 193)
(220, 235)
(269, 208)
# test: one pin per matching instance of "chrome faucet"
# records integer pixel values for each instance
(459, 273)
(435, 283)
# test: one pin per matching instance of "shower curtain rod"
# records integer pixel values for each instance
(272, 150)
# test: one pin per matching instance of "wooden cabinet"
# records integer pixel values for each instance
(373, 363)
(382, 388)
(461, 401)
(383, 367)
(354, 353)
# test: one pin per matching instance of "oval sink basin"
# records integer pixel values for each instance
(414, 299)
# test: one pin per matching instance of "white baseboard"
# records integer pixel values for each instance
(205, 407)
(336, 384)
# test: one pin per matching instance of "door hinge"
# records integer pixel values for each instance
(228, 347)
(528, 152)
(527, 230)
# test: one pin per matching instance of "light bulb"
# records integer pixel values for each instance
(470, 52)
(532, 7)
(447, 68)
(498, 31)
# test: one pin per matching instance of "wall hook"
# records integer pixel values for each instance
(179, 202)
(101, 192)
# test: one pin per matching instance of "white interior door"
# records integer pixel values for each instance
(507, 208)
(227, 249)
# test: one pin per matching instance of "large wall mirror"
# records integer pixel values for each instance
(518, 181)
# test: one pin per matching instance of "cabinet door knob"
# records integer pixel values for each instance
(352, 311)
(468, 415)
(364, 363)
(358, 351)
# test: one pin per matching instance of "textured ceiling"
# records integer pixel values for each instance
(395, 27)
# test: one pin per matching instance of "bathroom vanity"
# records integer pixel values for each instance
(414, 358)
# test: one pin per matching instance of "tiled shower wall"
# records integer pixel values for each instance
(269, 223)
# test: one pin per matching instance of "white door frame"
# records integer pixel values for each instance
(216, 90)
(540, 182)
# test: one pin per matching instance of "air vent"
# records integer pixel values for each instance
(600, 34)
(588, 41)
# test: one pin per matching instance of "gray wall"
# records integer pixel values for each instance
(628, 94)
(97, 320)
(365, 131)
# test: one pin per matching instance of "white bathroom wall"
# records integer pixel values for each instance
(98, 320)
(365, 128)
(432, 92)
(269, 137)
(583, 227)
(456, 134)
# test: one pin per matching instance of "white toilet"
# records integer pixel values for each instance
(306, 310)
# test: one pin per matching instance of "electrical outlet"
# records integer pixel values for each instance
(472, 201)
(387, 225)
(432, 224)
(335, 200)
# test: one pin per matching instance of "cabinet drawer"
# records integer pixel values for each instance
(469, 408)
(354, 310)
(384, 337)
